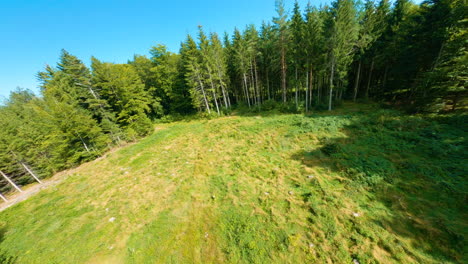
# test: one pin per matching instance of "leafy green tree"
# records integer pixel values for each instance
(121, 86)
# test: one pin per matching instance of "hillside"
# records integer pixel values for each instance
(362, 183)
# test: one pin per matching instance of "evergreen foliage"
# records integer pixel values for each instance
(408, 55)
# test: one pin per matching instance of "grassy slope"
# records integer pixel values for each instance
(235, 189)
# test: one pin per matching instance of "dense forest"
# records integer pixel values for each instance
(407, 55)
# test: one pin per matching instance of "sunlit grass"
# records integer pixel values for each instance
(354, 184)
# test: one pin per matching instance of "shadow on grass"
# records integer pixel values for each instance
(416, 169)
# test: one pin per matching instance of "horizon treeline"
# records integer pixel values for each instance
(312, 58)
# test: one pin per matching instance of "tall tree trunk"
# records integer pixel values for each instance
(307, 92)
(256, 82)
(297, 102)
(370, 78)
(331, 86)
(3, 198)
(84, 144)
(311, 85)
(224, 97)
(204, 94)
(214, 95)
(32, 173)
(252, 84)
(283, 71)
(246, 91)
(223, 90)
(10, 181)
(268, 85)
(356, 84)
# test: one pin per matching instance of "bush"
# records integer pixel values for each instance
(269, 105)
(330, 148)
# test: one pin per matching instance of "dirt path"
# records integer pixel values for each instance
(30, 190)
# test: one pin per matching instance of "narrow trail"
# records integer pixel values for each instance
(34, 188)
(30, 190)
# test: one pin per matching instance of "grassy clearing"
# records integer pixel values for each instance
(363, 184)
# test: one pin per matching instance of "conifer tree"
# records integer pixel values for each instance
(281, 26)
(342, 41)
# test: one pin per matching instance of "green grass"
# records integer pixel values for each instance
(236, 190)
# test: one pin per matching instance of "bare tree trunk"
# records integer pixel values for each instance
(311, 84)
(297, 102)
(11, 182)
(214, 95)
(307, 92)
(246, 91)
(319, 88)
(32, 173)
(223, 90)
(331, 87)
(256, 81)
(268, 85)
(84, 144)
(370, 78)
(3, 198)
(228, 99)
(204, 95)
(224, 96)
(252, 84)
(356, 84)
(283, 72)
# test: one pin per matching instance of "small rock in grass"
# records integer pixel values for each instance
(356, 214)
(111, 247)
(213, 197)
(291, 192)
(311, 245)
(267, 193)
(107, 209)
(112, 219)
(210, 150)
(310, 177)
(206, 234)
(355, 261)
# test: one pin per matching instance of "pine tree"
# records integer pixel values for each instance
(367, 35)
(281, 26)
(297, 28)
(194, 75)
(342, 41)
(315, 47)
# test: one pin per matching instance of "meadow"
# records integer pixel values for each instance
(359, 183)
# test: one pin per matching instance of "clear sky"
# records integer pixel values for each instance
(34, 31)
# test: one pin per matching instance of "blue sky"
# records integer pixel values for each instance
(34, 31)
